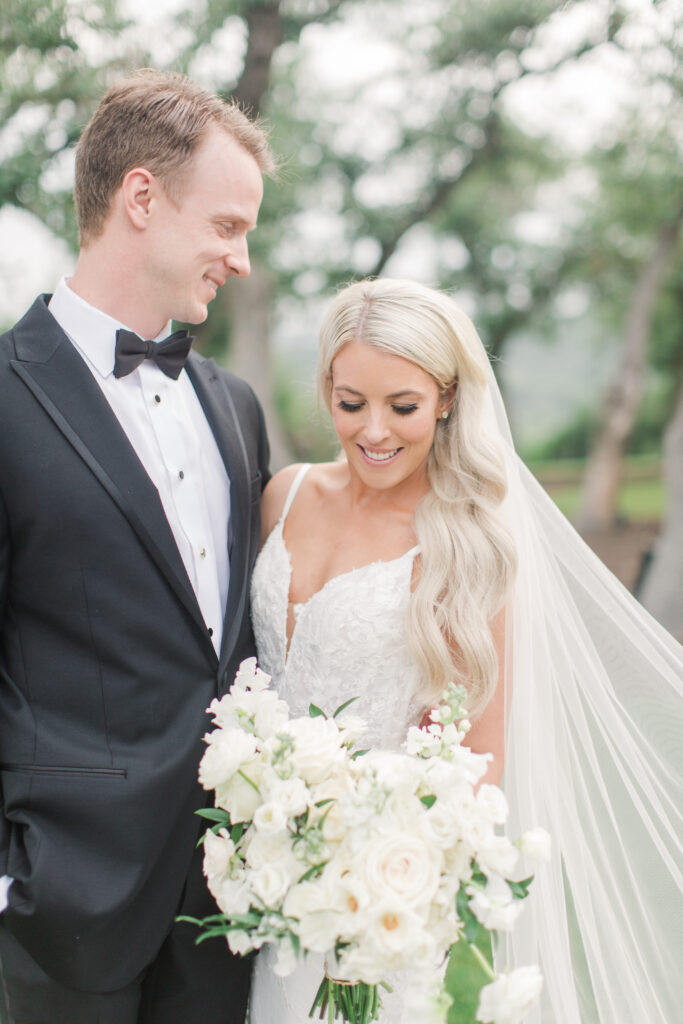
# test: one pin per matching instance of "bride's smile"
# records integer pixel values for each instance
(385, 410)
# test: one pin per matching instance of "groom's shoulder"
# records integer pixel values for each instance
(27, 329)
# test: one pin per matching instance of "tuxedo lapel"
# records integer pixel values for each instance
(61, 382)
(221, 415)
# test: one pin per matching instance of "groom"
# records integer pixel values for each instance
(130, 478)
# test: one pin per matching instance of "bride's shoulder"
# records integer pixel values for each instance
(319, 477)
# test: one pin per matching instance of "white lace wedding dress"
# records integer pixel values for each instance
(348, 641)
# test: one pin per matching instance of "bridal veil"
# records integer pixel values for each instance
(594, 752)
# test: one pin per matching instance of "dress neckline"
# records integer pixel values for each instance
(277, 533)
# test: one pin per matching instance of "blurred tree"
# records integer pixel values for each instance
(634, 260)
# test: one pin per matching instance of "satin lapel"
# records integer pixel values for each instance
(214, 395)
(61, 382)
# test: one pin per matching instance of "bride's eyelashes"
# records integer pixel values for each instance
(402, 410)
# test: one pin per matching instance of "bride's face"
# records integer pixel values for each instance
(385, 410)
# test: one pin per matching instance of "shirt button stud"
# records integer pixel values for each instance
(181, 475)
(210, 630)
(202, 553)
(157, 399)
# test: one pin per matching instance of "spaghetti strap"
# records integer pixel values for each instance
(296, 483)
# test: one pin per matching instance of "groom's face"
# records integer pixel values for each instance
(200, 240)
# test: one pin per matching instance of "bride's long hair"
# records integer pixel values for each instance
(468, 556)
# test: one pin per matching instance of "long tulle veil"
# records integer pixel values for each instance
(594, 752)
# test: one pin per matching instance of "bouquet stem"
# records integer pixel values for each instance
(354, 1003)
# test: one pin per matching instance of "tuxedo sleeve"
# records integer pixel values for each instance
(4, 588)
(263, 445)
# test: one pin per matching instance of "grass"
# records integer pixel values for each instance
(641, 495)
(464, 978)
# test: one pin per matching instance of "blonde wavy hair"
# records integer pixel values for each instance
(468, 556)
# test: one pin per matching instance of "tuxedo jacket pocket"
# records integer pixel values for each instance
(64, 770)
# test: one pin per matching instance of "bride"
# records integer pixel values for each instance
(428, 553)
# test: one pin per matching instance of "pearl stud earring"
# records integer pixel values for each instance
(444, 414)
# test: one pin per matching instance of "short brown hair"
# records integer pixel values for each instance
(152, 119)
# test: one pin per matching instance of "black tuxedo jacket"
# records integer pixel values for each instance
(106, 666)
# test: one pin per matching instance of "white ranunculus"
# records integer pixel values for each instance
(218, 852)
(270, 883)
(317, 747)
(260, 849)
(536, 845)
(492, 803)
(270, 818)
(226, 752)
(402, 865)
(508, 999)
(495, 906)
(442, 825)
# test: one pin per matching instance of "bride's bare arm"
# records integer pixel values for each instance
(487, 735)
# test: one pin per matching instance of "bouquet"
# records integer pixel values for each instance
(379, 860)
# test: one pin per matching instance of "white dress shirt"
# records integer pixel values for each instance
(166, 426)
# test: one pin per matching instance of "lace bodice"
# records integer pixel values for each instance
(348, 639)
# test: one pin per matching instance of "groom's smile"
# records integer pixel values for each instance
(201, 237)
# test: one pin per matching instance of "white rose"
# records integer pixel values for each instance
(227, 751)
(239, 943)
(352, 727)
(249, 676)
(270, 883)
(261, 849)
(218, 852)
(231, 895)
(508, 999)
(492, 803)
(497, 855)
(428, 1002)
(536, 845)
(239, 796)
(442, 825)
(270, 714)
(403, 865)
(495, 906)
(270, 818)
(291, 794)
(287, 960)
(317, 747)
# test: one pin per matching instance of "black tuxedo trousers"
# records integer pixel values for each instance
(106, 666)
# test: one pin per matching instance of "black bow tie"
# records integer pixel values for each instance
(169, 354)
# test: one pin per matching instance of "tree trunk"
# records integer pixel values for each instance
(662, 594)
(249, 305)
(597, 509)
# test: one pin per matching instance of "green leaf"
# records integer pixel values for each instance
(520, 890)
(214, 814)
(344, 706)
(359, 753)
(312, 871)
(316, 712)
(237, 832)
(428, 801)
(321, 803)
